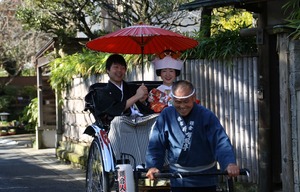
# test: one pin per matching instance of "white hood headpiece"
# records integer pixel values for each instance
(167, 62)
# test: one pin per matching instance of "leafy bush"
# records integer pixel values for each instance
(292, 9)
(83, 64)
(30, 115)
(7, 96)
(4, 102)
(223, 45)
(13, 99)
(29, 92)
(225, 40)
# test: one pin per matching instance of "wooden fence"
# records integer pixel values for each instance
(228, 88)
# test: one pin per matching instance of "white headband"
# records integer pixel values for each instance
(183, 97)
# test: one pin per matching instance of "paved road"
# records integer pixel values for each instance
(24, 169)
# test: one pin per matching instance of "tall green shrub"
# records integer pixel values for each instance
(30, 116)
(292, 8)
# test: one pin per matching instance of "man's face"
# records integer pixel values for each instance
(116, 73)
(183, 106)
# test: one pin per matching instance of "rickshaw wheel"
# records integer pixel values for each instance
(97, 180)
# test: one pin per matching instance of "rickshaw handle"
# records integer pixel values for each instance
(243, 171)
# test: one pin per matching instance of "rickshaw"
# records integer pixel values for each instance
(105, 172)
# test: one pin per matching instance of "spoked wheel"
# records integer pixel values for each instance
(97, 180)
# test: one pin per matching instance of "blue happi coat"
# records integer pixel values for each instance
(193, 143)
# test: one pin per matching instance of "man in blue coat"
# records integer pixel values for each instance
(194, 140)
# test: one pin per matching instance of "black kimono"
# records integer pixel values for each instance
(109, 100)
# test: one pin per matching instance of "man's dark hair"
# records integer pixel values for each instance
(115, 58)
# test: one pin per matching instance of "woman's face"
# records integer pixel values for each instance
(168, 76)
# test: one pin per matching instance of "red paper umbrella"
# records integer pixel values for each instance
(141, 39)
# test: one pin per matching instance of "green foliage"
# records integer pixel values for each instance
(84, 64)
(47, 16)
(28, 72)
(29, 92)
(30, 115)
(17, 47)
(14, 91)
(64, 18)
(223, 46)
(10, 65)
(4, 102)
(3, 73)
(225, 41)
(64, 69)
(10, 99)
(293, 8)
(7, 97)
(4, 123)
(10, 90)
(227, 18)
(245, 187)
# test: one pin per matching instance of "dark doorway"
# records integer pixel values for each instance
(275, 112)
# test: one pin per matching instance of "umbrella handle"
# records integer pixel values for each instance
(142, 51)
